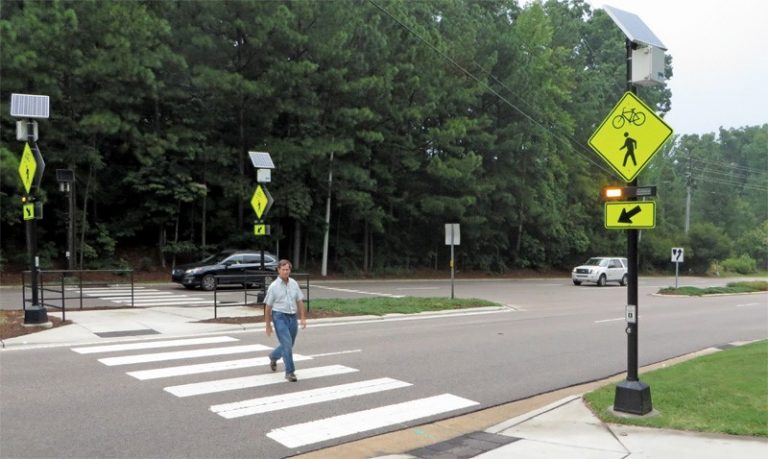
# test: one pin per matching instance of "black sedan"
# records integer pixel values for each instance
(203, 273)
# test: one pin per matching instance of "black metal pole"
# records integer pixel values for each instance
(71, 226)
(35, 314)
(632, 395)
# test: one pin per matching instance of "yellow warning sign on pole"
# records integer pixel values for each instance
(630, 215)
(629, 136)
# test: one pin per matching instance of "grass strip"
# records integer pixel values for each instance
(732, 287)
(407, 305)
(725, 392)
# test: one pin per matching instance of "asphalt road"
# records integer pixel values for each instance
(60, 403)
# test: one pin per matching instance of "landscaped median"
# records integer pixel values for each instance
(724, 392)
(408, 305)
(730, 288)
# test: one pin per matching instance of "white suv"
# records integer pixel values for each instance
(600, 270)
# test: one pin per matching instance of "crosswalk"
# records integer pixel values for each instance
(182, 363)
(141, 296)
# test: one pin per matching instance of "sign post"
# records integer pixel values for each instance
(31, 167)
(261, 201)
(678, 255)
(627, 139)
(452, 238)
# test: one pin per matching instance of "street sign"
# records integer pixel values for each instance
(261, 201)
(452, 234)
(27, 168)
(260, 229)
(629, 136)
(29, 211)
(678, 254)
(630, 214)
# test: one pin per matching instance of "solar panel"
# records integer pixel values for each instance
(261, 160)
(634, 27)
(29, 106)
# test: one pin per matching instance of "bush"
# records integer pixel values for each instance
(709, 243)
(742, 265)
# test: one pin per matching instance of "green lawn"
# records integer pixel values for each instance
(725, 392)
(408, 305)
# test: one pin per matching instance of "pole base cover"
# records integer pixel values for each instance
(35, 315)
(633, 397)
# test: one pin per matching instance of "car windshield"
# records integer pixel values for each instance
(595, 262)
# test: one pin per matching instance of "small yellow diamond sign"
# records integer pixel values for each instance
(261, 201)
(629, 136)
(27, 168)
(630, 215)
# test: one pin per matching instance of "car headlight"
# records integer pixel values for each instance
(193, 271)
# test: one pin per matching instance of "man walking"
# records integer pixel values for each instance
(284, 299)
(630, 144)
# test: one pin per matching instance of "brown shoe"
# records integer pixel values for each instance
(273, 365)
(291, 377)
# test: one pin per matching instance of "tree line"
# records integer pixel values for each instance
(406, 115)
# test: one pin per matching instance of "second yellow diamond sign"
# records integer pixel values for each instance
(630, 214)
(629, 137)
(261, 201)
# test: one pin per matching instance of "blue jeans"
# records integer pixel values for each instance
(286, 328)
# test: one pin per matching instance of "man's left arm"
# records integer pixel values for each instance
(302, 313)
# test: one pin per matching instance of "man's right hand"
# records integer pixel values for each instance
(269, 329)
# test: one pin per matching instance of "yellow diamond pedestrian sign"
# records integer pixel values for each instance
(27, 168)
(261, 201)
(630, 214)
(629, 136)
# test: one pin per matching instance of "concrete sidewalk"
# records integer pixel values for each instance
(551, 425)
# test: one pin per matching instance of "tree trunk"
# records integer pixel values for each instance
(365, 247)
(83, 221)
(296, 244)
(203, 239)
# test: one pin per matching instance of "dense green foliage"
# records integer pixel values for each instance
(433, 112)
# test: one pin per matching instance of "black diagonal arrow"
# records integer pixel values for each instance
(626, 217)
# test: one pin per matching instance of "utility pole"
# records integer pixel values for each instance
(688, 186)
(326, 234)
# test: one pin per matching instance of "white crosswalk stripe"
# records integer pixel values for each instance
(176, 355)
(223, 385)
(206, 367)
(141, 296)
(307, 397)
(153, 344)
(292, 436)
(362, 421)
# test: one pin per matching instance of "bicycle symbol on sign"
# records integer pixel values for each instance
(631, 116)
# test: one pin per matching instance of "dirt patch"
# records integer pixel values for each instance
(12, 324)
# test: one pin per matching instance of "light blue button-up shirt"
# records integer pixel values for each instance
(284, 297)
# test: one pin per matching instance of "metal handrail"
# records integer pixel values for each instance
(252, 278)
(59, 286)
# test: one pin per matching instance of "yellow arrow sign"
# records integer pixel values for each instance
(260, 229)
(29, 211)
(630, 214)
(27, 168)
(629, 136)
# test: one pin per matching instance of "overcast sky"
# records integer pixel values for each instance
(719, 59)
